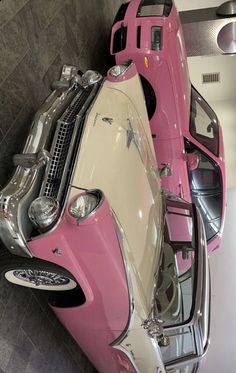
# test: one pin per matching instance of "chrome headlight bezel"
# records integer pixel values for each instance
(120, 69)
(79, 209)
(90, 77)
(44, 212)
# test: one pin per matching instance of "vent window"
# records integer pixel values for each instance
(119, 43)
(211, 78)
(138, 36)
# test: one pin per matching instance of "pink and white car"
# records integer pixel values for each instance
(186, 132)
(85, 219)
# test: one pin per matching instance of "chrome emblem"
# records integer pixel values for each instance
(133, 136)
(107, 120)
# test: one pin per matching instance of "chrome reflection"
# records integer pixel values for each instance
(226, 38)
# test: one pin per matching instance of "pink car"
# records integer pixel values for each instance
(186, 132)
(84, 218)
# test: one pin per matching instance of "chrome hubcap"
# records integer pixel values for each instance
(38, 277)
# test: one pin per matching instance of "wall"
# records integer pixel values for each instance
(221, 355)
(225, 65)
(196, 4)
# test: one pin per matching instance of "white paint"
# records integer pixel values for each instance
(196, 4)
(221, 356)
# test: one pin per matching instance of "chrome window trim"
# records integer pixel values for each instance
(198, 307)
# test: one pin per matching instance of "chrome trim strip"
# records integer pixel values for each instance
(122, 242)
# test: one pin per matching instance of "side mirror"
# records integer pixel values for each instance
(192, 161)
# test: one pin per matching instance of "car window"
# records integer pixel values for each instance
(182, 345)
(188, 368)
(204, 125)
(206, 192)
(174, 293)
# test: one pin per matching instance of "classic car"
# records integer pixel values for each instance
(84, 218)
(186, 132)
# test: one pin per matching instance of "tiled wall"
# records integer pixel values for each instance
(36, 38)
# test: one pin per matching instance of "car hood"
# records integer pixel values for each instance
(116, 156)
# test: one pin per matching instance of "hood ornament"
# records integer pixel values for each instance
(156, 330)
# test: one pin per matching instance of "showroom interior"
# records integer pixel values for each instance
(37, 38)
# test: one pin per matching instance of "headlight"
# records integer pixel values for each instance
(119, 70)
(85, 204)
(90, 77)
(43, 212)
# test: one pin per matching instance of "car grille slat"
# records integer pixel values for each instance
(53, 184)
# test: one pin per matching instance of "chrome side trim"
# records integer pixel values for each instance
(101, 199)
(122, 243)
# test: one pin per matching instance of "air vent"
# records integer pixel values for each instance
(211, 78)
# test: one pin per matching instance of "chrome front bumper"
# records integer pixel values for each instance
(33, 166)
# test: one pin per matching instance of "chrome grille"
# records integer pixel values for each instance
(52, 185)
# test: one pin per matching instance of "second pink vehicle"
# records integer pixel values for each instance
(186, 133)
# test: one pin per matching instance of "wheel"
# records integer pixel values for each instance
(38, 274)
(150, 97)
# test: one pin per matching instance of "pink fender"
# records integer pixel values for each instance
(91, 252)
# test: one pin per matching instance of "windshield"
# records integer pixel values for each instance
(182, 287)
(206, 191)
(176, 276)
(204, 125)
(176, 282)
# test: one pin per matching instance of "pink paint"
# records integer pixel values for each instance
(167, 72)
(91, 252)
